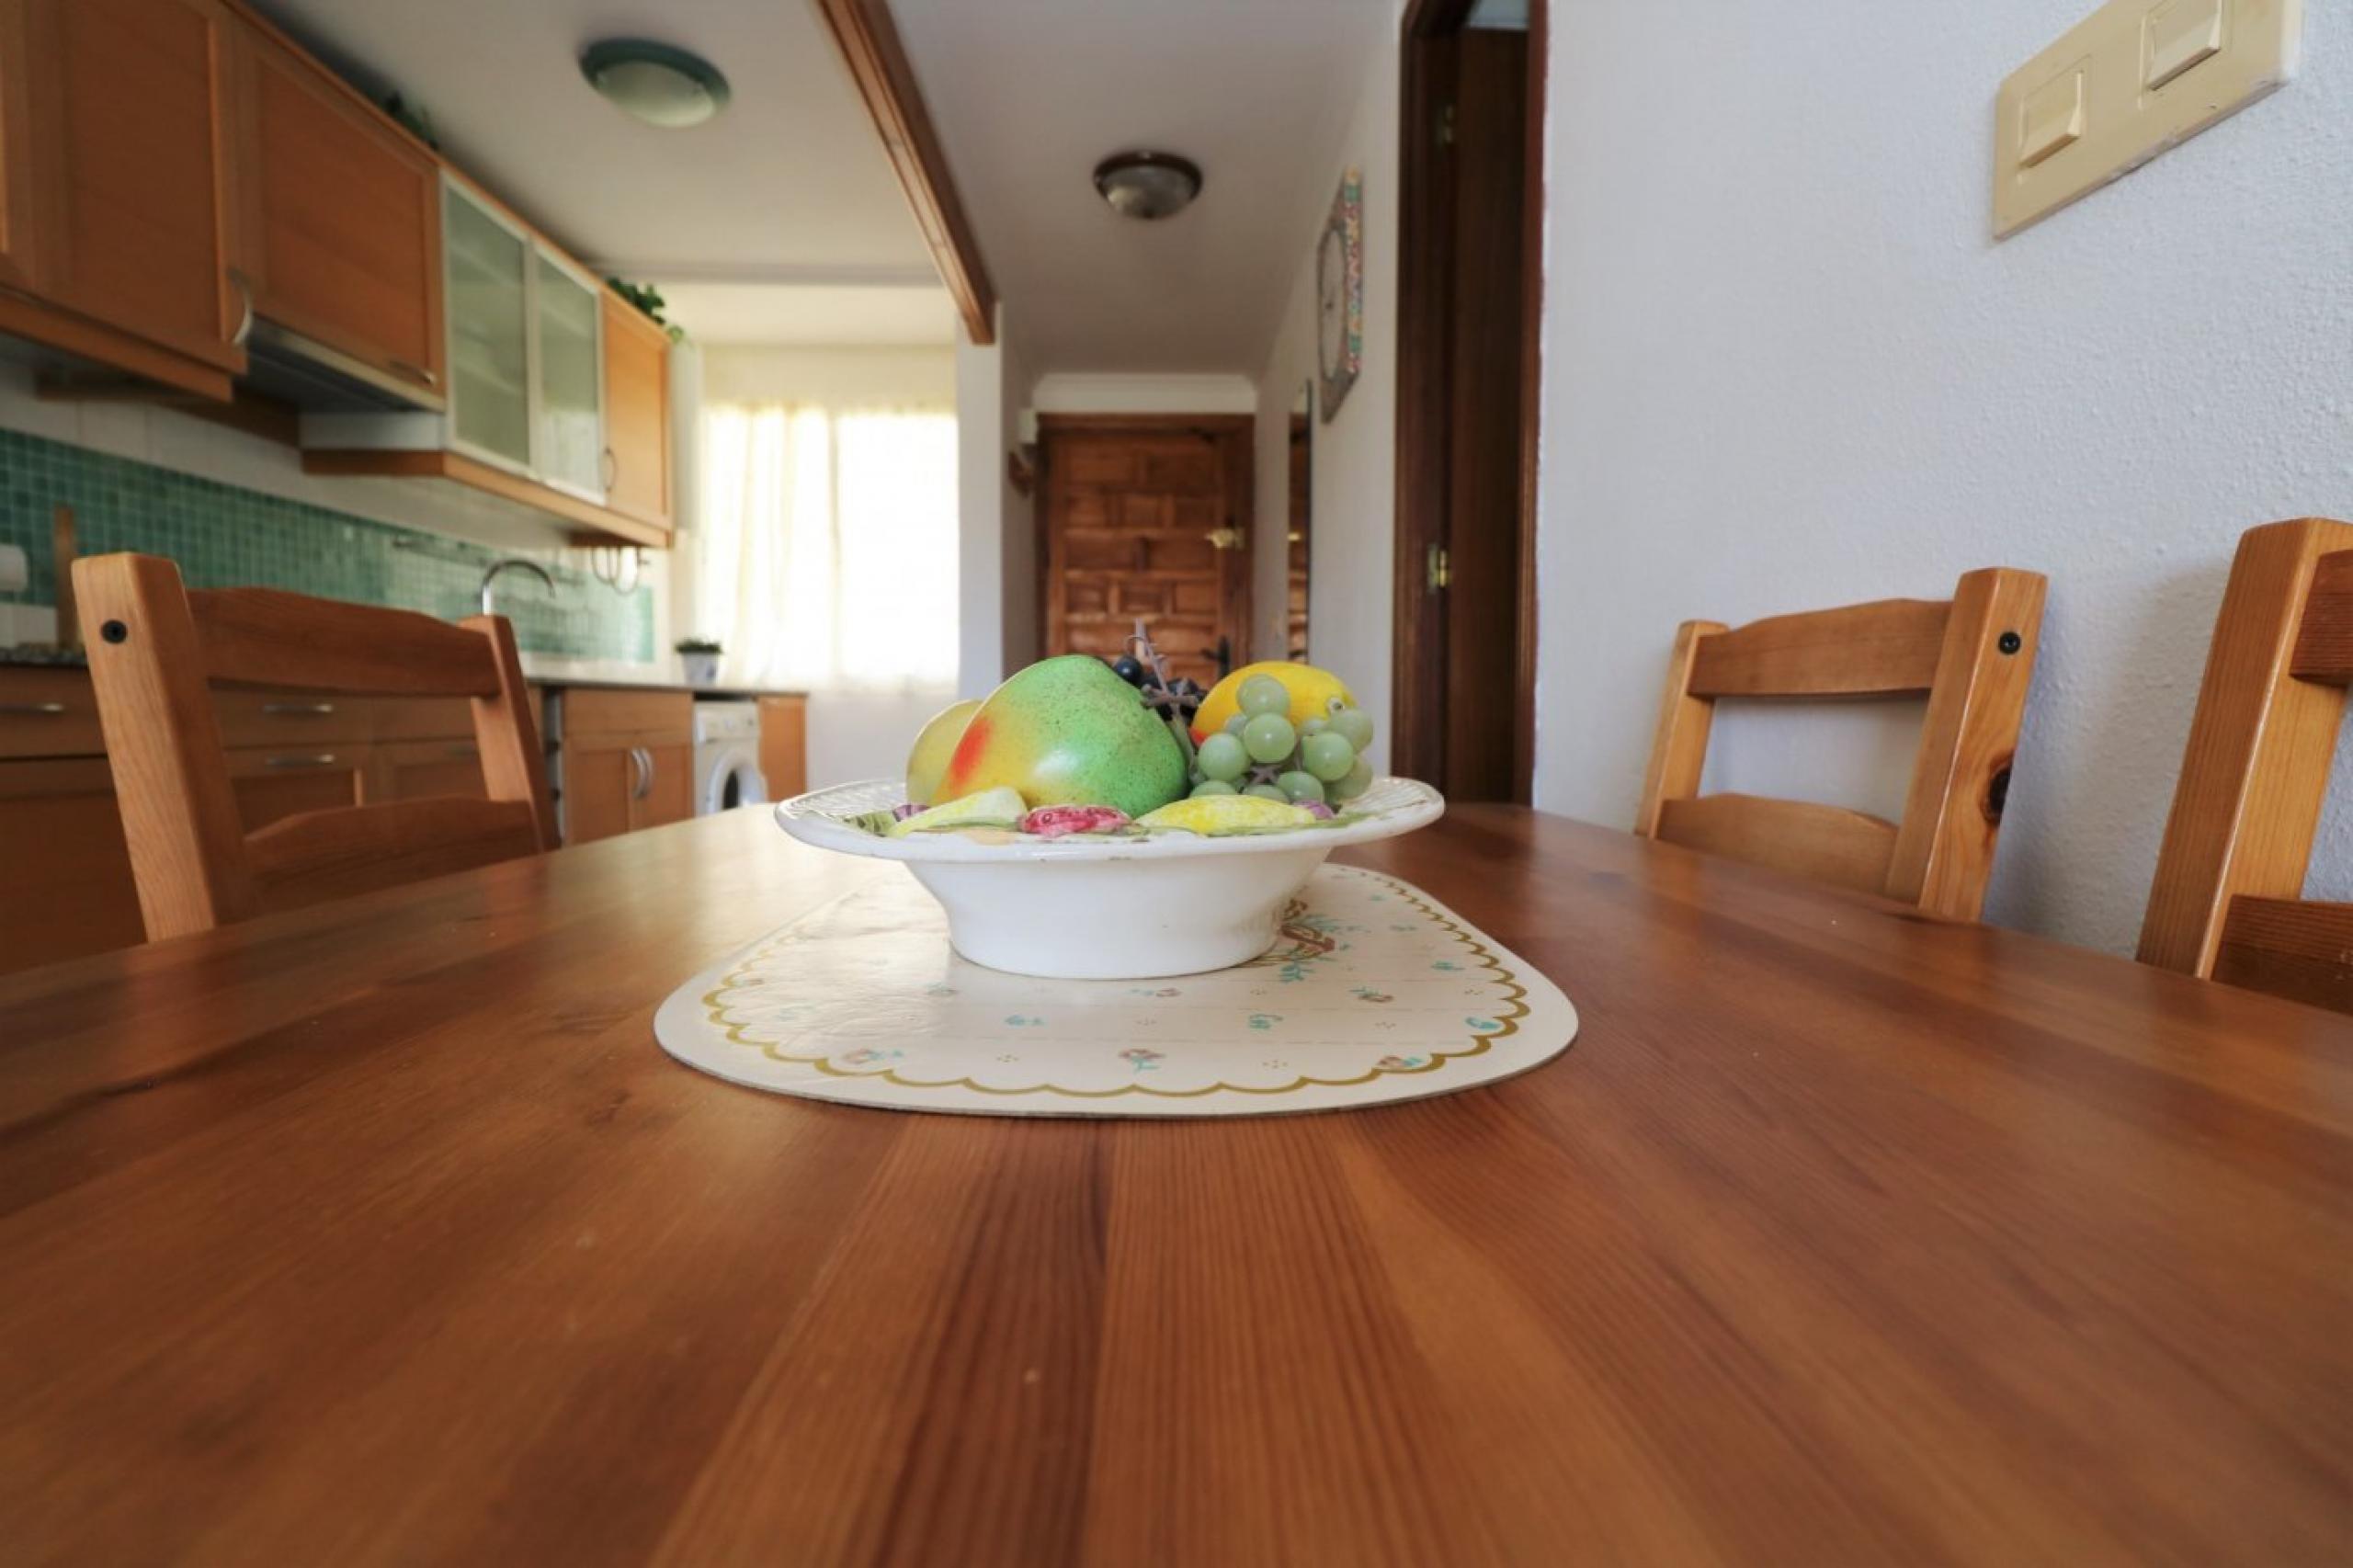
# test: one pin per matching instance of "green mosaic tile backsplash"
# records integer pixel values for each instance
(224, 537)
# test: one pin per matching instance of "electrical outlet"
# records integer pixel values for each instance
(2130, 80)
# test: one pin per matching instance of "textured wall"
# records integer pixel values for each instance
(1354, 463)
(1785, 366)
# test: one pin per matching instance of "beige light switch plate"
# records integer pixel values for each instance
(2126, 83)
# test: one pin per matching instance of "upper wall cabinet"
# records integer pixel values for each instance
(637, 414)
(115, 116)
(340, 230)
(571, 378)
(490, 259)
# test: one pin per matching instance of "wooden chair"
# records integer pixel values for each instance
(2228, 901)
(1971, 656)
(156, 648)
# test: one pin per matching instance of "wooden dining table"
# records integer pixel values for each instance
(384, 1233)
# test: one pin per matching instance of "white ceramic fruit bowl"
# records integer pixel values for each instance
(1087, 907)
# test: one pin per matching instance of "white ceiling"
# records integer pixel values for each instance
(780, 221)
(1027, 95)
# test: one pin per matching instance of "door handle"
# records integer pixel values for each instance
(414, 372)
(33, 710)
(298, 710)
(641, 762)
(1438, 568)
(1224, 539)
(608, 467)
(322, 759)
(244, 291)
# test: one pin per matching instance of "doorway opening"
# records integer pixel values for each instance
(1469, 299)
(1147, 518)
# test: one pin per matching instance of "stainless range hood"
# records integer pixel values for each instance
(310, 375)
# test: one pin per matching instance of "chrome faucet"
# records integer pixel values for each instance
(490, 577)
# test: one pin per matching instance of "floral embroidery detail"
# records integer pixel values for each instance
(1484, 1026)
(1008, 1056)
(1401, 1063)
(1367, 994)
(1291, 973)
(1141, 1059)
(1446, 965)
(1265, 1020)
(1021, 1022)
(866, 1056)
(1148, 991)
(940, 991)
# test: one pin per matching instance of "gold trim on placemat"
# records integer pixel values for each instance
(1507, 1019)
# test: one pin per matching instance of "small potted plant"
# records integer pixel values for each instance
(699, 656)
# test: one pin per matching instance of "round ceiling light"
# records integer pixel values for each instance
(1148, 185)
(659, 84)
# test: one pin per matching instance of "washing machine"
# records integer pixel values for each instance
(727, 756)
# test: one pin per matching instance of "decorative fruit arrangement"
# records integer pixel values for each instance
(1077, 745)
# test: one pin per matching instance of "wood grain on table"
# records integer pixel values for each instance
(383, 1231)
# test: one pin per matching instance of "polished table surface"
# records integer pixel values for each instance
(386, 1233)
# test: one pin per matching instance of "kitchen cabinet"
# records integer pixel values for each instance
(637, 413)
(418, 770)
(17, 220)
(340, 223)
(489, 262)
(270, 782)
(625, 761)
(126, 162)
(69, 883)
(784, 746)
(568, 378)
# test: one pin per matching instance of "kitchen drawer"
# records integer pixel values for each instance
(416, 770)
(422, 719)
(49, 712)
(271, 782)
(658, 716)
(292, 719)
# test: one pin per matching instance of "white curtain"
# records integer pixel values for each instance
(826, 563)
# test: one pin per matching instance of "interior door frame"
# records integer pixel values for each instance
(1237, 433)
(1424, 404)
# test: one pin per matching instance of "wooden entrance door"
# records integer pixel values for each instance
(1148, 518)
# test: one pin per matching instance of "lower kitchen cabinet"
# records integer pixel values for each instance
(784, 746)
(70, 890)
(626, 761)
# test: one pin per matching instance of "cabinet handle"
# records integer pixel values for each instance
(323, 759)
(33, 710)
(298, 710)
(415, 372)
(644, 760)
(608, 467)
(245, 291)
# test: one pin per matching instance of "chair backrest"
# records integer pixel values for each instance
(2227, 902)
(156, 648)
(1970, 655)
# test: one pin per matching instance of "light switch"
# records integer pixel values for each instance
(2181, 33)
(2132, 80)
(2052, 117)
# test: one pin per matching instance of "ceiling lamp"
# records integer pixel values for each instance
(1148, 185)
(659, 84)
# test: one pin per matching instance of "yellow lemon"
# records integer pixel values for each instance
(1211, 814)
(1311, 690)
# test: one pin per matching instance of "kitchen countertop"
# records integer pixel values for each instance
(542, 669)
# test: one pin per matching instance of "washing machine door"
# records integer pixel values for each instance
(732, 779)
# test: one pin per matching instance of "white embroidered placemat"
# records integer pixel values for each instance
(1373, 993)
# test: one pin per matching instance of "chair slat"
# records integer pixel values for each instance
(2293, 947)
(1884, 649)
(263, 637)
(316, 856)
(2324, 638)
(1680, 748)
(1824, 843)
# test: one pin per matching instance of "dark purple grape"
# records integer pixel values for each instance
(1129, 669)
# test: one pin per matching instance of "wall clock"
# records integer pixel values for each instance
(1339, 295)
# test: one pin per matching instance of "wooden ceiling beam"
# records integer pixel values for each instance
(878, 64)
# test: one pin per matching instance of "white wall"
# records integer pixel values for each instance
(996, 631)
(1064, 391)
(837, 378)
(1785, 367)
(1353, 477)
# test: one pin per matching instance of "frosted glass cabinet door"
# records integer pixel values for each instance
(571, 381)
(490, 332)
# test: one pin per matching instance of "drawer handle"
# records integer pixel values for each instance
(298, 710)
(245, 321)
(416, 373)
(324, 759)
(641, 761)
(33, 710)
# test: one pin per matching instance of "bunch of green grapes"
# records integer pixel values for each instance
(1261, 752)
